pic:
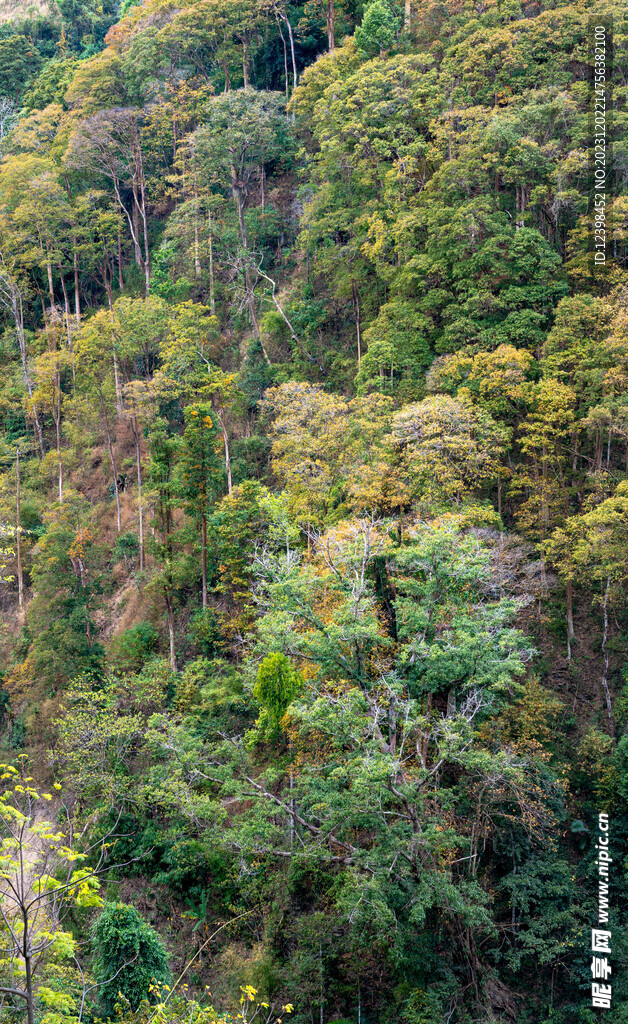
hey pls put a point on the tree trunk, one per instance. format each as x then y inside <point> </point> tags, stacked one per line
<point>120,279</point>
<point>18,317</point>
<point>116,378</point>
<point>135,230</point>
<point>112,460</point>
<point>245,65</point>
<point>197,262</point>
<point>145,229</point>
<point>18,533</point>
<point>570,630</point>
<point>66,306</point>
<point>51,290</point>
<point>77,300</point>
<point>248,284</point>
<point>605,687</point>
<point>292,53</point>
<point>225,437</point>
<point>285,57</point>
<point>138,463</point>
<point>170,614</point>
<point>212,301</point>
<point>330,23</point>
<point>30,1002</point>
<point>204,556</point>
<point>57,420</point>
<point>58,432</point>
<point>356,309</point>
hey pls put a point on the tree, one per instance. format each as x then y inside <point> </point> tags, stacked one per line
<point>67,578</point>
<point>110,143</point>
<point>20,61</point>
<point>447,446</point>
<point>592,548</point>
<point>97,375</point>
<point>41,879</point>
<point>310,456</point>
<point>244,131</point>
<point>545,441</point>
<point>130,958</point>
<point>165,449</point>
<point>200,472</point>
<point>379,28</point>
<point>48,397</point>
<point>276,686</point>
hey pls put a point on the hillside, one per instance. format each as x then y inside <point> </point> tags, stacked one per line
<point>313,493</point>
<point>17,10</point>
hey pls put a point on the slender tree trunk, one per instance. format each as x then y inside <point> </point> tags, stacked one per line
<point>66,306</point>
<point>18,532</point>
<point>605,687</point>
<point>51,290</point>
<point>57,421</point>
<point>225,437</point>
<point>322,987</point>
<point>248,283</point>
<point>58,432</point>
<point>295,76</point>
<point>197,262</point>
<point>204,556</point>
<point>18,317</point>
<point>330,23</point>
<point>145,229</point>
<point>212,301</point>
<point>285,58</point>
<point>116,378</point>
<point>356,310</point>
<point>111,460</point>
<point>120,279</point>
<point>570,630</point>
<point>245,65</point>
<point>135,231</point>
<point>170,614</point>
<point>138,464</point>
<point>107,280</point>
<point>30,1002</point>
<point>77,300</point>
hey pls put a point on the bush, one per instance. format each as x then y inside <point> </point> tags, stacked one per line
<point>130,957</point>
<point>276,686</point>
<point>131,650</point>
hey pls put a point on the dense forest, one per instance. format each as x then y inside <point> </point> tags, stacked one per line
<point>314,511</point>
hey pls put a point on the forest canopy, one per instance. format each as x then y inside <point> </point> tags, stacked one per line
<point>313,502</point>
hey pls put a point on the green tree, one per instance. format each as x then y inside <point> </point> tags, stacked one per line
<point>378,30</point>
<point>129,958</point>
<point>244,131</point>
<point>41,880</point>
<point>276,686</point>
<point>200,472</point>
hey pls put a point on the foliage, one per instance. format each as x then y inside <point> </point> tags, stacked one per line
<point>130,958</point>
<point>313,447</point>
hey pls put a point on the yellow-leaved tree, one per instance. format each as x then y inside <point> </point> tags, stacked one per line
<point>41,879</point>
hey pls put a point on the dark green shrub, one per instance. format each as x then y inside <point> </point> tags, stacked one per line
<point>131,650</point>
<point>129,957</point>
